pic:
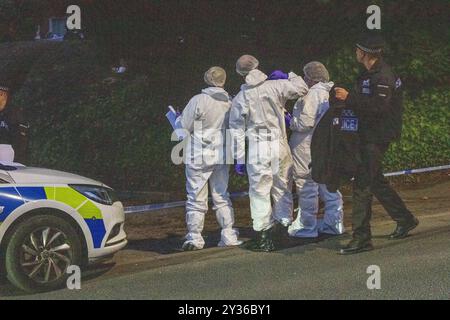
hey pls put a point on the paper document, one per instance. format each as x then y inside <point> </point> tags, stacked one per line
<point>176,125</point>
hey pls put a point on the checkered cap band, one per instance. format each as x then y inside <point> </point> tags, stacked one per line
<point>347,113</point>
<point>369,50</point>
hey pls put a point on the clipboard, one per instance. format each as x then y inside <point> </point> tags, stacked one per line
<point>171,115</point>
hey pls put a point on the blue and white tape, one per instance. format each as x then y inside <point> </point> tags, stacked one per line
<point>169,205</point>
<point>177,204</point>
<point>413,171</point>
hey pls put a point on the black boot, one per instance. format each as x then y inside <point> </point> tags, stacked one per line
<point>280,235</point>
<point>356,246</point>
<point>403,229</point>
<point>261,243</point>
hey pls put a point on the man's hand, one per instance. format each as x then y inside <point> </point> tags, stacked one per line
<point>341,94</point>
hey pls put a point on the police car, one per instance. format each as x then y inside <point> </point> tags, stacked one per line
<point>50,220</point>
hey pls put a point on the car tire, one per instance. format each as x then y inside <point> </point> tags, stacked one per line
<point>39,252</point>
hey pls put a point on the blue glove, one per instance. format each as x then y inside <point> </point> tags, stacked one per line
<point>240,170</point>
<point>278,75</point>
<point>287,119</point>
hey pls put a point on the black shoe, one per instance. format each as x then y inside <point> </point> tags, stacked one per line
<point>262,243</point>
<point>356,246</point>
<point>403,229</point>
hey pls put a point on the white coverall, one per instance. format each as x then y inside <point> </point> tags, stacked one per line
<point>208,114</point>
<point>306,114</point>
<point>6,154</point>
<point>259,108</point>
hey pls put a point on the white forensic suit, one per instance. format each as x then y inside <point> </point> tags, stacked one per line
<point>259,109</point>
<point>306,114</point>
<point>206,119</point>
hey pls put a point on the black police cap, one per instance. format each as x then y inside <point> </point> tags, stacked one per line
<point>372,43</point>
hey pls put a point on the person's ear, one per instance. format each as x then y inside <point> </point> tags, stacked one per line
<point>365,56</point>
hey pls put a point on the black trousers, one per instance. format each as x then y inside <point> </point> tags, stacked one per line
<point>369,181</point>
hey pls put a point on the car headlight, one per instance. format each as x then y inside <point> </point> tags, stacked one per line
<point>98,194</point>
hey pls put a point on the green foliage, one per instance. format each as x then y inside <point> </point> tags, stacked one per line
<point>426,133</point>
<point>342,67</point>
<point>119,137</point>
<point>423,59</point>
<point>115,130</point>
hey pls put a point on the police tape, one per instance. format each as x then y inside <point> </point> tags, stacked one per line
<point>178,204</point>
<point>170,205</point>
<point>412,171</point>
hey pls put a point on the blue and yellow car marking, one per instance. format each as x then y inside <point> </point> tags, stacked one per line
<point>12,198</point>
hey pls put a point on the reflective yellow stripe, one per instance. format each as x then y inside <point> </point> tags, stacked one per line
<point>69,196</point>
<point>50,193</point>
<point>90,211</point>
<point>74,199</point>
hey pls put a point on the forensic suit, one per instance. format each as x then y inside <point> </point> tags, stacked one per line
<point>259,109</point>
<point>206,119</point>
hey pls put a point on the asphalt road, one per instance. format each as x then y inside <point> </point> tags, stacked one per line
<point>417,267</point>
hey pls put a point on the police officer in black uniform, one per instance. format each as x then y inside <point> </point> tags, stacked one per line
<point>377,100</point>
<point>13,130</point>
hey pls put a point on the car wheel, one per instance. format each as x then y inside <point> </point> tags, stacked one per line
<point>39,253</point>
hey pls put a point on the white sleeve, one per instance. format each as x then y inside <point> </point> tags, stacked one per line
<point>189,115</point>
<point>304,119</point>
<point>293,88</point>
<point>238,118</point>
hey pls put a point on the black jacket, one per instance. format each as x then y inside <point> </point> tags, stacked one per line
<point>14,131</point>
<point>8,127</point>
<point>377,100</point>
<point>335,146</point>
